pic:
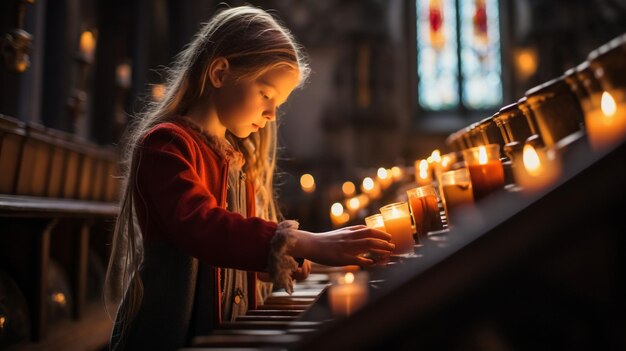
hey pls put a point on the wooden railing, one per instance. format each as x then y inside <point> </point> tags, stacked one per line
<point>57,204</point>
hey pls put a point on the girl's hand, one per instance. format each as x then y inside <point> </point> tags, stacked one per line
<point>302,272</point>
<point>343,246</point>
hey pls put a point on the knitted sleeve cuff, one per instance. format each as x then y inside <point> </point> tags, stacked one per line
<point>281,264</point>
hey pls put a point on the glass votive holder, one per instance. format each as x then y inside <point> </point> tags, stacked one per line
<point>348,292</point>
<point>375,222</point>
<point>425,209</point>
<point>456,187</point>
<point>485,168</point>
<point>397,219</point>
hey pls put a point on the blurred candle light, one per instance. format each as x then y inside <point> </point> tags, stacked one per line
<point>348,293</point>
<point>370,187</point>
<point>123,73</point>
<point>348,188</point>
<point>539,169</point>
<point>606,125</point>
<point>158,92</point>
<point>307,182</point>
<point>337,215</point>
<point>87,45</point>
<point>396,173</point>
<point>384,178</point>
<point>422,176</point>
<point>353,204</point>
<point>447,161</point>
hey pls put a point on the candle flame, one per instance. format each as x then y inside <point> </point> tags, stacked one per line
<point>336,209</point>
<point>307,182</point>
<point>436,155</point>
<point>349,278</point>
<point>382,173</point>
<point>531,160</point>
<point>354,203</point>
<point>608,104</point>
<point>348,188</point>
<point>368,184</point>
<point>482,155</point>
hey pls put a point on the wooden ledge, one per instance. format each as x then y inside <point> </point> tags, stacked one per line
<point>38,207</point>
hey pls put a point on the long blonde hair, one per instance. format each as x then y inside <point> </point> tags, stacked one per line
<point>253,42</point>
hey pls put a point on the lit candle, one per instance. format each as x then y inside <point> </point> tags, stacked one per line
<point>397,219</point>
<point>485,168</point>
<point>348,293</point>
<point>87,44</point>
<point>307,182</point>
<point>337,215</point>
<point>353,204</point>
<point>396,173</point>
<point>457,191</point>
<point>375,221</point>
<point>384,178</point>
<point>606,125</point>
<point>425,209</point>
<point>539,169</point>
<point>370,187</point>
<point>422,176</point>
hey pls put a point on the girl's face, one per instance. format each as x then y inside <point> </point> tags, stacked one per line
<point>246,106</point>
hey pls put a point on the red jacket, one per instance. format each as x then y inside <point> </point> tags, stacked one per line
<point>180,202</point>
<point>182,182</point>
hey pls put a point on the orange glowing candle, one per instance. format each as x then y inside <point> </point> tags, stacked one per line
<point>397,219</point>
<point>486,172</point>
<point>606,125</point>
<point>348,293</point>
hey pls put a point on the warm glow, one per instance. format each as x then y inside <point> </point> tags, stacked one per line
<point>368,184</point>
<point>608,104</point>
<point>436,156</point>
<point>348,188</point>
<point>59,298</point>
<point>123,72</point>
<point>423,174</point>
<point>87,43</point>
<point>482,155</point>
<point>307,182</point>
<point>445,161</point>
<point>354,203</point>
<point>349,278</point>
<point>396,172</point>
<point>382,173</point>
<point>423,166</point>
<point>336,209</point>
<point>531,160</point>
<point>2,320</point>
<point>526,62</point>
<point>363,200</point>
<point>158,92</point>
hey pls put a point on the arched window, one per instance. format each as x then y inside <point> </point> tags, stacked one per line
<point>458,55</point>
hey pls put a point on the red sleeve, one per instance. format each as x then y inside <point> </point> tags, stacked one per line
<point>173,191</point>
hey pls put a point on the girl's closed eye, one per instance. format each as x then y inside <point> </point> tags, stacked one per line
<point>264,95</point>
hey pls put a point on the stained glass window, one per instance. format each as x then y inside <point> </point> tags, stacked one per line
<point>453,35</point>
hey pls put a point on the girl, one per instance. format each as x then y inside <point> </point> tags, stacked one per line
<point>197,162</point>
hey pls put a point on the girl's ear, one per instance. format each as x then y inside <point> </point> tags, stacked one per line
<point>217,71</point>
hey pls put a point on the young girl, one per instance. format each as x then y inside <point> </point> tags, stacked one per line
<point>198,163</point>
